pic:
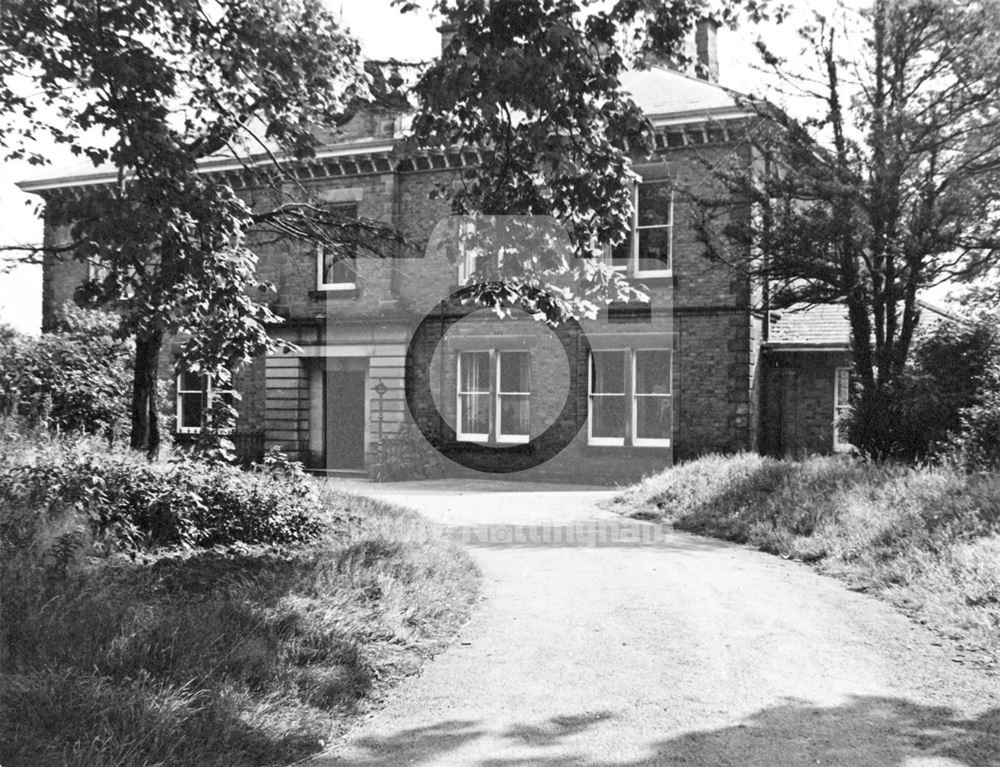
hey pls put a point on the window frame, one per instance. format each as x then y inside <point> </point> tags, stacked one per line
<point>333,287</point>
<point>630,438</point>
<point>207,392</point>
<point>321,253</point>
<point>605,441</point>
<point>468,256</point>
<point>632,268</point>
<point>460,435</point>
<point>838,407</point>
<point>500,437</point>
<point>638,441</point>
<point>494,433</point>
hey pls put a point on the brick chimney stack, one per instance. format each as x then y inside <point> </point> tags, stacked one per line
<point>706,42</point>
<point>447,31</point>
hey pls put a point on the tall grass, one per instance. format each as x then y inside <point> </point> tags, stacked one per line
<point>244,654</point>
<point>926,537</point>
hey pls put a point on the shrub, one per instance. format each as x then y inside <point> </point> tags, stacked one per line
<point>76,378</point>
<point>917,416</point>
<point>130,504</point>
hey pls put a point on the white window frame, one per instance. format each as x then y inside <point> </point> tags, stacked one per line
<point>839,407</point>
<point>494,434</point>
<point>633,266</point>
<point>467,257</point>
<point>631,400</point>
<point>650,441</point>
<point>460,435</point>
<point>500,436</point>
<point>332,286</point>
<point>208,392</point>
<point>604,441</point>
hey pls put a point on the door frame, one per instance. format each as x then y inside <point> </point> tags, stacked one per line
<point>318,423</point>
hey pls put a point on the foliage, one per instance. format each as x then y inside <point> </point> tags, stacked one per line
<point>228,657</point>
<point>146,91</point>
<point>536,84</point>
<point>924,537</point>
<point>978,437</point>
<point>133,506</point>
<point>75,378</point>
<point>885,189</point>
<point>926,408</point>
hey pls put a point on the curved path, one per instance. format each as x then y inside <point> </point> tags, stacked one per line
<point>603,641</point>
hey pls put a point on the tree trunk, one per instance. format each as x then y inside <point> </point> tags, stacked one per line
<point>145,419</point>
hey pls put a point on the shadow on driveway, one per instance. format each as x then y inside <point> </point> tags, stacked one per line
<point>865,732</point>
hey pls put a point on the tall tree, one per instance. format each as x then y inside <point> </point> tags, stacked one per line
<point>890,186</point>
<point>148,89</point>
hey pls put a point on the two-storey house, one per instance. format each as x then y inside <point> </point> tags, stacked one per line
<point>605,400</point>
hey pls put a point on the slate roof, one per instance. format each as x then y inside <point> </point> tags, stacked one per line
<point>663,95</point>
<point>662,92</point>
<point>825,326</point>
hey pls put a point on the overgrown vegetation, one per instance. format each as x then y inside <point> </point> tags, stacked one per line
<point>187,614</point>
<point>75,378</point>
<point>927,538</point>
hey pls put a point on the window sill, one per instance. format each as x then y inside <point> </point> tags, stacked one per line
<point>324,293</point>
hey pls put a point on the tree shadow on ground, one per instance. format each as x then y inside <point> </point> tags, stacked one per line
<point>864,732</point>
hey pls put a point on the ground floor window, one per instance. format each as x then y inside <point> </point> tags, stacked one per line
<point>494,396</point>
<point>195,395</point>
<point>841,408</point>
<point>630,398</point>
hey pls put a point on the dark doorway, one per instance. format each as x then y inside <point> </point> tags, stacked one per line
<point>345,419</point>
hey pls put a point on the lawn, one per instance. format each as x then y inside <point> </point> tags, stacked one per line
<point>925,538</point>
<point>224,648</point>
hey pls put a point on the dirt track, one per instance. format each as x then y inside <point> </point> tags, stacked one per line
<point>607,642</point>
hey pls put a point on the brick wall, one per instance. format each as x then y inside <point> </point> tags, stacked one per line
<point>798,405</point>
<point>703,308</point>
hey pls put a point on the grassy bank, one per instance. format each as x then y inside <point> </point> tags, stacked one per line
<point>926,538</point>
<point>223,653</point>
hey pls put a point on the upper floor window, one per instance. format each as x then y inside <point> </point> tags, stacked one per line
<point>195,395</point>
<point>468,254</point>
<point>494,396</point>
<point>648,251</point>
<point>630,398</point>
<point>336,268</point>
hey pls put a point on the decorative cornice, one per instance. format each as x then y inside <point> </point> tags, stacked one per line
<point>370,157</point>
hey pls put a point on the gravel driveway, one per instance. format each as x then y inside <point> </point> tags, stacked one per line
<point>603,641</point>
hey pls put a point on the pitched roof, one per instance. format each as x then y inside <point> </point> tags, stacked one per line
<point>801,325</point>
<point>825,326</point>
<point>663,92</point>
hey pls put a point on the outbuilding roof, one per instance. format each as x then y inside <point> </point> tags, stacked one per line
<point>806,327</point>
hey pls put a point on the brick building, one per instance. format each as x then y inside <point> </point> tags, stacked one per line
<point>613,399</point>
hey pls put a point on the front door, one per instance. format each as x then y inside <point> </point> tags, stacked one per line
<point>345,418</point>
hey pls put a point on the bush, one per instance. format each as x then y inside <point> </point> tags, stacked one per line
<point>977,441</point>
<point>76,378</point>
<point>230,656</point>
<point>130,504</point>
<point>920,413</point>
<point>216,658</point>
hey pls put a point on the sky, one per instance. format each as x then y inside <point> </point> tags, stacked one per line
<point>384,33</point>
